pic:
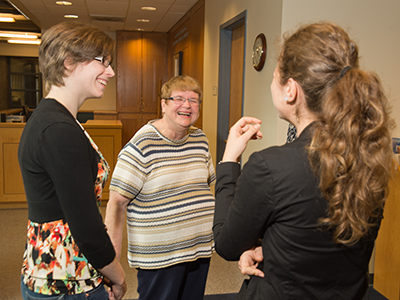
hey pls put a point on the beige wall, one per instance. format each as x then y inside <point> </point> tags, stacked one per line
<point>375,25</point>
<point>262,16</point>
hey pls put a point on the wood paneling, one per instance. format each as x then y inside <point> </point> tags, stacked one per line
<point>142,60</point>
<point>187,36</point>
<point>387,251</point>
<point>11,184</point>
<point>131,122</point>
<point>129,71</point>
<point>154,69</point>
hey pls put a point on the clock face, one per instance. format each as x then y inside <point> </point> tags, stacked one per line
<point>259,52</point>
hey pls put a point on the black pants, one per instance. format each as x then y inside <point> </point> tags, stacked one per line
<point>185,281</point>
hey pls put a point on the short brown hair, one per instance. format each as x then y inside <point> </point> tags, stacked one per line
<point>74,40</point>
<point>181,83</point>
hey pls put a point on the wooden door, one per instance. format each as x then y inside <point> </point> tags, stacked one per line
<point>231,77</point>
<point>236,80</point>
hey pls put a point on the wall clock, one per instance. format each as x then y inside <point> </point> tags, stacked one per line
<point>259,52</point>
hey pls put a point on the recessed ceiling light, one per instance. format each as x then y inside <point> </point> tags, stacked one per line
<point>7,19</point>
<point>143,20</point>
<point>71,16</point>
<point>15,35</point>
<point>139,29</point>
<point>148,8</point>
<point>63,3</point>
<point>35,42</point>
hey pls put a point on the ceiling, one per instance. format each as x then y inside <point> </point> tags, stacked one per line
<point>108,15</point>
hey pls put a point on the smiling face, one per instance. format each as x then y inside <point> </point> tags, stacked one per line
<point>90,79</point>
<point>180,116</point>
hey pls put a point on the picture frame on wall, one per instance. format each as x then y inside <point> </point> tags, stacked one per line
<point>178,63</point>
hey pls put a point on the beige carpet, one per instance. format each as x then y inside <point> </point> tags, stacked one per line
<point>224,277</point>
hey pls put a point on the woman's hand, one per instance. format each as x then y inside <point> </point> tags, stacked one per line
<point>249,261</point>
<point>116,292</point>
<point>241,132</point>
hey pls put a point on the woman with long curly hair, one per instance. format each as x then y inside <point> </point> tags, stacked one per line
<point>315,204</point>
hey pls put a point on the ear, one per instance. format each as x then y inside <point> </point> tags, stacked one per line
<point>69,64</point>
<point>291,89</point>
<point>163,105</point>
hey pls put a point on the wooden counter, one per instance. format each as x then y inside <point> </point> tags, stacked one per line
<point>107,134</point>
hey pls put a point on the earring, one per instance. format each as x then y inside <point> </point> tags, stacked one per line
<point>286,99</point>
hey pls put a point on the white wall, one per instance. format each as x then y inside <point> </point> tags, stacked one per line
<point>374,25</point>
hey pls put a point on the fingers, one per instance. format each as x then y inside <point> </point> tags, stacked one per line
<point>110,294</point>
<point>249,260</point>
<point>251,132</point>
<point>241,132</point>
<point>258,255</point>
<point>248,125</point>
<point>251,271</point>
<point>247,120</point>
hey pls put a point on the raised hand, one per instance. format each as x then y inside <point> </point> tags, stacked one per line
<point>241,132</point>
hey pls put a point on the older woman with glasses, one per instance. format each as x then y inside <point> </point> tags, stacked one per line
<point>162,179</point>
<point>68,251</point>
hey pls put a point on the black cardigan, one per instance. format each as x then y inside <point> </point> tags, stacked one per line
<point>59,168</point>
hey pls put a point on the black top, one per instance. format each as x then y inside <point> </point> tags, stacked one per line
<point>276,198</point>
<point>59,168</point>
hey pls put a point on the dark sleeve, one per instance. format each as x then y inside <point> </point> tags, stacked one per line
<point>243,206</point>
<point>71,163</point>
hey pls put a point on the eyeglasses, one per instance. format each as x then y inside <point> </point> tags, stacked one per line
<point>180,100</point>
<point>104,60</point>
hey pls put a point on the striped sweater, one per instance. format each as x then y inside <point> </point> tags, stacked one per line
<point>171,213</point>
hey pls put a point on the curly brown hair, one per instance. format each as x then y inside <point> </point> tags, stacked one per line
<point>350,149</point>
<point>73,40</point>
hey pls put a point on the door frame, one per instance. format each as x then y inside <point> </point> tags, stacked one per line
<point>224,77</point>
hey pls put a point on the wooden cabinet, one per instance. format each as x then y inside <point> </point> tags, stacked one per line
<point>11,184</point>
<point>106,134</point>
<point>141,71</point>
